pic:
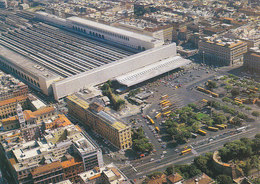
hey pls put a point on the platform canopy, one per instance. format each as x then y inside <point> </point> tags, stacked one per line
<point>153,70</point>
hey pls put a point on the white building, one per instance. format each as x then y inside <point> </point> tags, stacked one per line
<point>107,174</point>
<point>102,31</point>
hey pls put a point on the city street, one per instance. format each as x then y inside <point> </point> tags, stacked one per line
<point>146,166</point>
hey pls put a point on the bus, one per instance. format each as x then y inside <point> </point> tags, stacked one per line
<point>194,135</point>
<point>212,128</point>
<point>161,102</point>
<point>200,89</point>
<point>237,99</point>
<point>238,102</point>
<point>252,91</point>
<point>158,115</point>
<point>165,103</point>
<point>167,113</point>
<point>204,100</point>
<point>150,119</point>
<point>157,129</point>
<point>165,108</point>
<point>186,151</point>
<point>208,91</point>
<point>222,126</point>
<point>201,132</point>
<point>164,97</point>
<point>214,94</point>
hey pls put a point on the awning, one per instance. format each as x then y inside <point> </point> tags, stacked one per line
<point>150,71</point>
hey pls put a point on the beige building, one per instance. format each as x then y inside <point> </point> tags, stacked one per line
<point>8,106</point>
<point>222,50</point>
<point>66,148</point>
<point>160,32</point>
<point>252,60</point>
<point>100,121</point>
<point>108,174</point>
<point>11,87</point>
<point>30,117</point>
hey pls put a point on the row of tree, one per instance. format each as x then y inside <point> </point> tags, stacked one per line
<point>140,142</point>
<point>107,90</point>
<point>244,152</point>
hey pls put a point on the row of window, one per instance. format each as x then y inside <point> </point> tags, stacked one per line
<point>21,75</point>
<point>101,31</point>
<point>94,33</point>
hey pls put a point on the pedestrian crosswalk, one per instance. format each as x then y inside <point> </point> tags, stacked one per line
<point>194,151</point>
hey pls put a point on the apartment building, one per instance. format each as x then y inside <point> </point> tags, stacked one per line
<point>108,174</point>
<point>252,60</point>
<point>11,87</point>
<point>100,121</point>
<point>31,118</point>
<point>8,106</point>
<point>72,167</point>
<point>223,51</point>
<point>49,173</point>
<point>59,153</point>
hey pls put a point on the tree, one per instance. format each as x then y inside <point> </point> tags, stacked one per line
<point>140,142</point>
<point>256,113</point>
<point>194,171</point>
<point>220,119</point>
<point>228,87</point>
<point>248,108</point>
<point>187,171</point>
<point>235,92</point>
<point>201,162</point>
<point>242,115</point>
<point>236,121</point>
<point>211,84</point>
<point>193,106</point>
<point>169,170</point>
<point>184,118</point>
<point>256,144</point>
<point>155,174</point>
<point>119,103</point>
<point>172,131</point>
<point>142,145</point>
<point>224,179</point>
<point>257,136</point>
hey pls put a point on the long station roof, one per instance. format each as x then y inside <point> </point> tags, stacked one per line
<point>153,70</point>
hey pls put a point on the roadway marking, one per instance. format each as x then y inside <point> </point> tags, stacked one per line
<point>179,158</point>
<point>133,167</point>
<point>194,152</point>
<point>228,137</point>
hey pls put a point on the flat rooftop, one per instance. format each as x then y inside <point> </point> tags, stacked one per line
<point>112,29</point>
<point>153,70</point>
<point>25,64</point>
<point>65,54</point>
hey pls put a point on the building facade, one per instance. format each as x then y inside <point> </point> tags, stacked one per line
<point>252,60</point>
<point>11,87</point>
<point>8,106</point>
<point>49,173</point>
<point>100,122</point>
<point>31,118</point>
<point>103,32</point>
<point>108,174</point>
<point>71,168</point>
<point>223,51</point>
<point>61,153</point>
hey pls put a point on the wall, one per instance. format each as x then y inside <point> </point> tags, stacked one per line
<point>99,75</point>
